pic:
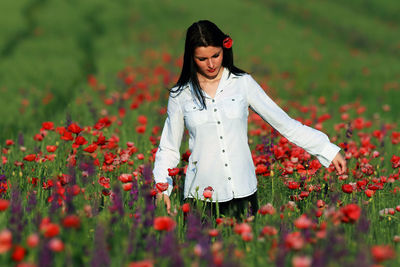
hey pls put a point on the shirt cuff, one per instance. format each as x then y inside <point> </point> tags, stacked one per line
<point>328,154</point>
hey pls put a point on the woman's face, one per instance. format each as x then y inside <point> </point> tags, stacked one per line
<point>208,60</point>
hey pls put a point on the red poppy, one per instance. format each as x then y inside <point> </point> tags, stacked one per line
<point>67,136</point>
<point>267,209</point>
<point>382,252</point>
<point>303,222</point>
<point>48,125</point>
<point>261,169</point>
<point>18,253</point>
<point>74,128</point>
<point>347,188</point>
<point>4,204</point>
<point>51,230</point>
<point>125,177</point>
<point>173,172</point>
<point>143,263</point>
<point>208,191</point>
<point>71,221</point>
<point>350,213</point>
<point>79,140</point>
<point>9,142</point>
<point>269,230</point>
<point>293,185</point>
<point>369,192</point>
<point>294,241</point>
<point>30,157</point>
<point>142,119</point>
<point>32,240</point>
<point>56,245</point>
<point>90,148</point>
<point>161,187</point>
<point>5,240</point>
<point>186,207</point>
<point>227,43</point>
<point>213,232</point>
<point>141,129</point>
<point>242,228</point>
<point>51,149</point>
<point>164,223</point>
<point>127,186</point>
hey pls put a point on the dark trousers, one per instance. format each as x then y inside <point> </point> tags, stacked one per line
<point>238,208</point>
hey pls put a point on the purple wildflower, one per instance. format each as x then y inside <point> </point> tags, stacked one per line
<point>100,256</point>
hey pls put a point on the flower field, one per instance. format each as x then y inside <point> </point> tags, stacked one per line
<point>83,95</point>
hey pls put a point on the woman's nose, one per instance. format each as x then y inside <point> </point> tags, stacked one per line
<point>210,63</point>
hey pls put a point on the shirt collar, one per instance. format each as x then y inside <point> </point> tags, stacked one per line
<point>226,78</point>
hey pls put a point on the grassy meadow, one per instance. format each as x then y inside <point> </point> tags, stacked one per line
<point>83,95</point>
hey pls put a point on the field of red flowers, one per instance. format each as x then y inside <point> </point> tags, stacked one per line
<point>76,189</point>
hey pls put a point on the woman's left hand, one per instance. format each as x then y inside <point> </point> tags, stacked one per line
<point>340,164</point>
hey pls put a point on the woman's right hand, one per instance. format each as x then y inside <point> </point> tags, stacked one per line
<point>160,197</point>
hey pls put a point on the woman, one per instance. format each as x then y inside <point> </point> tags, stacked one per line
<point>211,98</point>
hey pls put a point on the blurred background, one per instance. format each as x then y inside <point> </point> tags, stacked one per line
<point>345,51</point>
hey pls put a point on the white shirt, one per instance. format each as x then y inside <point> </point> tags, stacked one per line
<point>220,154</point>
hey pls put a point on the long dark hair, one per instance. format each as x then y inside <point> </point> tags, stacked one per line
<point>202,33</point>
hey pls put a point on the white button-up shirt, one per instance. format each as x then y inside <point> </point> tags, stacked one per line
<point>220,154</point>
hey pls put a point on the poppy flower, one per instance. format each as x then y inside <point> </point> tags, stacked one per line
<point>9,142</point>
<point>301,261</point>
<point>294,241</point>
<point>79,140</point>
<point>213,232</point>
<point>293,185</point>
<point>141,129</point>
<point>51,230</point>
<point>18,253</point>
<point>142,119</point>
<point>164,223</point>
<point>51,149</point>
<point>267,209</point>
<point>161,187</point>
<point>30,157</point>
<point>173,171</point>
<point>48,125</point>
<point>5,241</point>
<point>71,221</point>
<point>56,245</point>
<point>303,222</point>
<point>186,207</point>
<point>227,42</point>
<point>208,191</point>
<point>74,128</point>
<point>369,192</point>
<point>4,204</point>
<point>350,213</point>
<point>125,177</point>
<point>90,148</point>
<point>143,263</point>
<point>347,188</point>
<point>382,252</point>
<point>127,186</point>
<point>269,230</point>
<point>32,240</point>
<point>242,228</point>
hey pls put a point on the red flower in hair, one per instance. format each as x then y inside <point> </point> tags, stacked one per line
<point>228,42</point>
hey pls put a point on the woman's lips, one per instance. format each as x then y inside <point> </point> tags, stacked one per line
<point>212,70</point>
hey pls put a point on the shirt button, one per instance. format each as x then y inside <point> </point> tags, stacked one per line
<point>213,100</point>
<point>215,110</point>
<point>229,178</point>
<point>220,137</point>
<point>223,150</point>
<point>226,165</point>
<point>218,122</point>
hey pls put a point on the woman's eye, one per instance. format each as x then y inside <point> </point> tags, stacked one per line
<point>202,59</point>
<point>215,56</point>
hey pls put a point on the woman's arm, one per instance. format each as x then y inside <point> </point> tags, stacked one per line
<point>311,140</point>
<point>168,155</point>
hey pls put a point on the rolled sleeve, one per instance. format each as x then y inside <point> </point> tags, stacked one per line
<point>313,141</point>
<point>168,155</point>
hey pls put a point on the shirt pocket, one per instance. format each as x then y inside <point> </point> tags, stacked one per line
<point>235,106</point>
<point>194,115</point>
